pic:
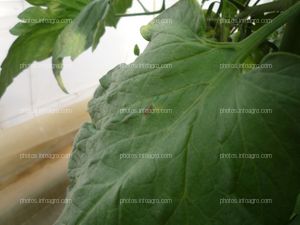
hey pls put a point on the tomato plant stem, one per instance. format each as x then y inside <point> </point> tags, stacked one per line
<point>290,40</point>
<point>268,7</point>
<point>261,34</point>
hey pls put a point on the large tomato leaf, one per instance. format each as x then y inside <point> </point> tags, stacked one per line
<point>196,178</point>
<point>59,28</point>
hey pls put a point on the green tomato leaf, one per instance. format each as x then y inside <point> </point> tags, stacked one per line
<point>37,33</point>
<point>86,30</point>
<point>37,36</point>
<point>33,46</point>
<point>176,108</point>
<point>57,28</point>
<point>38,2</point>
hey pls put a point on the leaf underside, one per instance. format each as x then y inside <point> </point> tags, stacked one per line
<point>195,133</point>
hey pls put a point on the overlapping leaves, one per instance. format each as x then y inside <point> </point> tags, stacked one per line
<point>195,132</point>
<point>57,28</point>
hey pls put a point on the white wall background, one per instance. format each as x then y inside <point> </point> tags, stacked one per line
<point>35,90</point>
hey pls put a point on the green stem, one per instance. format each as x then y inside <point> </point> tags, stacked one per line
<point>291,38</point>
<point>145,13</point>
<point>255,39</point>
<point>210,9</point>
<point>220,8</point>
<point>256,2</point>
<point>268,7</point>
<point>144,8</point>
<point>237,5</point>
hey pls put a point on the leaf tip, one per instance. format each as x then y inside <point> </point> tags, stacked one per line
<point>56,68</point>
<point>60,83</point>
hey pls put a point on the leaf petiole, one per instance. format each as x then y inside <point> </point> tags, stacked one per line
<point>163,7</point>
<point>255,39</point>
<point>268,7</point>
